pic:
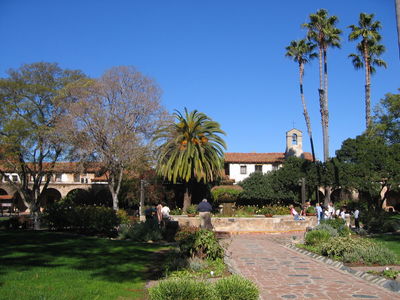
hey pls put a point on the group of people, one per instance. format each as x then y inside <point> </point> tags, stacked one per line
<point>160,212</point>
<point>329,212</point>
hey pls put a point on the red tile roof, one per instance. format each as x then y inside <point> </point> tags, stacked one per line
<point>259,157</point>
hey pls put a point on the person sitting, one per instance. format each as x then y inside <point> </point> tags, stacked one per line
<point>295,214</point>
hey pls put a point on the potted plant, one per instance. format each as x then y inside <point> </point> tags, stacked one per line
<point>267,211</point>
<point>227,196</point>
<point>191,210</point>
<point>310,211</point>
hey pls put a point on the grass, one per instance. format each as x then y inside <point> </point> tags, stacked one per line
<point>390,241</point>
<point>45,265</point>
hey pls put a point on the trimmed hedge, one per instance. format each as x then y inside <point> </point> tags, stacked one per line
<point>229,288</point>
<point>64,216</point>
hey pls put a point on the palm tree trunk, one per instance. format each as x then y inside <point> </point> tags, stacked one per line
<point>325,110</point>
<point>187,198</point>
<point>321,93</point>
<point>367,89</point>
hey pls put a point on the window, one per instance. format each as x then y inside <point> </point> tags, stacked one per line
<point>258,168</point>
<point>76,177</point>
<point>243,169</point>
<point>294,139</point>
<point>227,169</point>
<point>58,177</point>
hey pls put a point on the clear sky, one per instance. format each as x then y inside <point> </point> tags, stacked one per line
<point>222,57</point>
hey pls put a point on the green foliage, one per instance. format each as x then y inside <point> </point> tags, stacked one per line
<point>192,209</point>
<point>176,211</point>
<point>338,224</point>
<point>381,222</point>
<point>192,149</point>
<point>123,216</point>
<point>274,210</point>
<point>226,193</point>
<point>200,243</point>
<point>279,186</point>
<point>316,237</point>
<point>236,287</point>
<point>181,289</point>
<point>325,226</point>
<point>360,250</point>
<point>311,210</point>
<point>64,216</point>
<point>387,118</point>
<point>141,232</point>
<point>229,288</point>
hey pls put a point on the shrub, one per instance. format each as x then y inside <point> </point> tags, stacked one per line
<point>236,288</point>
<point>338,224</point>
<point>360,250</point>
<point>123,216</point>
<point>84,219</point>
<point>181,289</point>
<point>141,232</point>
<point>325,226</point>
<point>316,237</point>
<point>391,225</point>
<point>176,211</point>
<point>226,193</point>
<point>199,242</point>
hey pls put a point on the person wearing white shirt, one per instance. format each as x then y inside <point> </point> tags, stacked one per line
<point>356,218</point>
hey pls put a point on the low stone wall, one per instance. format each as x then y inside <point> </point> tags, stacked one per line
<point>257,224</point>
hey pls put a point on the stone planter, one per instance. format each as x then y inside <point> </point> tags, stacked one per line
<point>311,214</point>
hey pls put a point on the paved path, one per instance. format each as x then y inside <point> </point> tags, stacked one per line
<point>282,273</point>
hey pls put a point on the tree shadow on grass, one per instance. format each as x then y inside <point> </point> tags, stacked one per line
<point>111,260</point>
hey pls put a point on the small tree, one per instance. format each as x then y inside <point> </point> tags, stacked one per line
<point>112,121</point>
<point>29,128</point>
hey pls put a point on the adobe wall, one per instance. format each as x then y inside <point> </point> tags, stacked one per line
<point>261,224</point>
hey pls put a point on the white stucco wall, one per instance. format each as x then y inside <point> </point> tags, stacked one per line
<point>234,170</point>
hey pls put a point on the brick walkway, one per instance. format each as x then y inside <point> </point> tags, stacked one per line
<point>282,273</point>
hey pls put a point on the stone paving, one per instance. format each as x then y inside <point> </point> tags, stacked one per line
<point>282,273</point>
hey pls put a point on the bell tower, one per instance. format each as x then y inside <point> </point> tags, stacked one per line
<point>294,143</point>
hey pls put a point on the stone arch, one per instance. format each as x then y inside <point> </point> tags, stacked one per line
<point>340,195</point>
<point>79,196</point>
<point>393,199</point>
<point>3,192</point>
<point>50,196</point>
<point>103,198</point>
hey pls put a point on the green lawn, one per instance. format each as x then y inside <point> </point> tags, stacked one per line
<point>391,241</point>
<point>45,265</point>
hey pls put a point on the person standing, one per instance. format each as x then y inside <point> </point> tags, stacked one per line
<point>356,218</point>
<point>331,211</point>
<point>204,208</point>
<point>159,213</point>
<point>318,209</point>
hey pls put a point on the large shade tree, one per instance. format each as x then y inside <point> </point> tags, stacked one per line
<point>30,144</point>
<point>322,30</point>
<point>112,121</point>
<point>191,151</point>
<point>368,54</point>
<point>302,52</point>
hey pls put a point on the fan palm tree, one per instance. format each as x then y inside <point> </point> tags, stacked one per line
<point>302,52</point>
<point>321,30</point>
<point>192,151</point>
<point>369,50</point>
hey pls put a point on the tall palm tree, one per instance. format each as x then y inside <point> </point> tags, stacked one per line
<point>192,150</point>
<point>369,50</point>
<point>302,52</point>
<point>321,30</point>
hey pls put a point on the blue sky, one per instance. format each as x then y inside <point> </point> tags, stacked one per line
<point>224,58</point>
